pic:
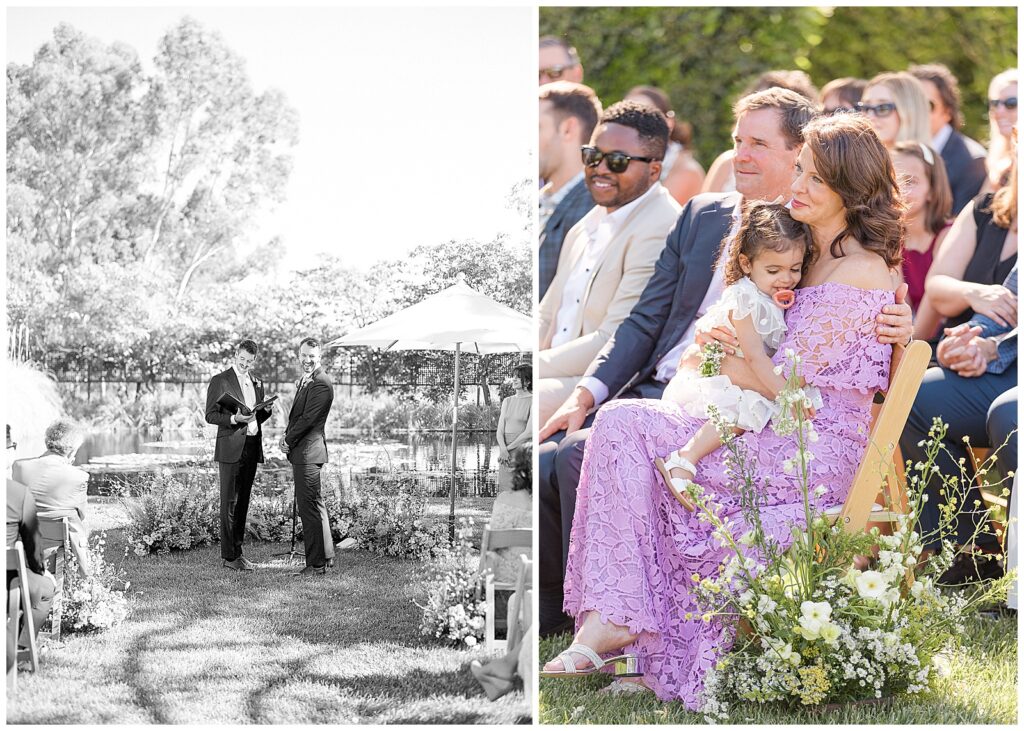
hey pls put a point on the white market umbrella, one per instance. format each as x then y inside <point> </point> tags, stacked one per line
<point>448,320</point>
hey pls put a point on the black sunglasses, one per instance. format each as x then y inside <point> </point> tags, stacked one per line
<point>877,110</point>
<point>617,161</point>
<point>1009,102</point>
<point>555,72</point>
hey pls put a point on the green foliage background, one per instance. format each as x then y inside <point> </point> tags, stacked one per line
<point>704,56</point>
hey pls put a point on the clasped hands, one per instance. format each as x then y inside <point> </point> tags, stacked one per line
<point>964,352</point>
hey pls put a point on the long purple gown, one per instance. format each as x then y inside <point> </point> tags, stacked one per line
<point>633,548</point>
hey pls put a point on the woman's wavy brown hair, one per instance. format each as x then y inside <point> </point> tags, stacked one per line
<point>766,226</point>
<point>854,163</point>
<point>1004,202</point>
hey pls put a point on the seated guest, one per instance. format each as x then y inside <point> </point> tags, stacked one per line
<point>926,192</point>
<point>681,174</point>
<point>610,254</point>
<point>59,488</point>
<point>1002,116</point>
<point>974,391</point>
<point>974,259</point>
<point>568,115</point>
<point>721,177</point>
<point>22,525</point>
<point>842,95</point>
<point>964,158</point>
<point>896,106</point>
<point>511,510</point>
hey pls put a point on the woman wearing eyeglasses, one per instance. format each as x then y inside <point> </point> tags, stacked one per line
<point>1002,115</point>
<point>841,95</point>
<point>897,107</point>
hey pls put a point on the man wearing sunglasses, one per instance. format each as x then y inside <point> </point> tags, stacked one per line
<point>559,61</point>
<point>568,115</point>
<point>609,256</point>
<point>964,158</point>
<point>643,353</point>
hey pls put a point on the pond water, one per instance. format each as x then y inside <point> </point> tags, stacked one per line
<point>423,451</point>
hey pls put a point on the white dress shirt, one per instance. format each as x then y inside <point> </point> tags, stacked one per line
<point>941,138</point>
<point>599,228</point>
<point>668,365</point>
<point>248,396</point>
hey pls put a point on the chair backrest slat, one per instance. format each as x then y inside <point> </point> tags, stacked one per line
<point>877,464</point>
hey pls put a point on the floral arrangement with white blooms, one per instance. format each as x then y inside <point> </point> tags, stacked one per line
<point>454,611</point>
<point>837,616</point>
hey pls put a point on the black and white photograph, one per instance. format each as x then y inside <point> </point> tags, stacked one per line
<point>269,376</point>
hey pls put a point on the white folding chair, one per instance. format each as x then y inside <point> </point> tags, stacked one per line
<point>494,540</point>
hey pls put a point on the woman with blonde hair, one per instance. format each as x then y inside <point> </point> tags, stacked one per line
<point>897,107</point>
<point>1002,115</point>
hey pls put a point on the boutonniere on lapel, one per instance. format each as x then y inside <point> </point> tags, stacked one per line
<point>257,382</point>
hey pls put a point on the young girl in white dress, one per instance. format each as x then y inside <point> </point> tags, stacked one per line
<point>764,263</point>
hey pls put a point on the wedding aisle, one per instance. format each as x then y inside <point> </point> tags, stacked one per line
<point>980,689</point>
<point>207,645</point>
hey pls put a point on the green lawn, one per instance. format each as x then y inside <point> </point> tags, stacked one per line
<point>981,688</point>
<point>207,645</point>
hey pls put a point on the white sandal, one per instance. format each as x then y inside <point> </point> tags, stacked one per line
<point>626,666</point>
<point>624,687</point>
<point>677,485</point>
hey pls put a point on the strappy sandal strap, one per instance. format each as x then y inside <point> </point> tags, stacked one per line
<point>570,665</point>
<point>674,460</point>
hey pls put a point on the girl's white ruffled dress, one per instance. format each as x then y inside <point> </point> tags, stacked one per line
<point>748,410</point>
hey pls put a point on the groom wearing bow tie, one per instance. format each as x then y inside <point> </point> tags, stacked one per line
<point>239,448</point>
<point>306,446</point>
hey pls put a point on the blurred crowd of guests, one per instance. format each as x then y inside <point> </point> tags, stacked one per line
<point>607,206</point>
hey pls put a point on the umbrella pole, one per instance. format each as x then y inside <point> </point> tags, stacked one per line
<point>455,436</point>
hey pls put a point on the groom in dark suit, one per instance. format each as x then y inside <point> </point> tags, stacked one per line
<point>306,446</point>
<point>239,448</point>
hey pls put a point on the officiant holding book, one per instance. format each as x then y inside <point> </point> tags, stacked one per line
<point>235,403</point>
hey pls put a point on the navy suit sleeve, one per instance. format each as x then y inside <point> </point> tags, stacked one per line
<point>28,529</point>
<point>634,340</point>
<point>318,403</point>
<point>215,413</point>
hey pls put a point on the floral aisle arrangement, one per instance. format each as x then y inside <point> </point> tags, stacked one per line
<point>394,522</point>
<point>173,509</point>
<point>454,611</point>
<point>834,616</point>
<point>96,602</point>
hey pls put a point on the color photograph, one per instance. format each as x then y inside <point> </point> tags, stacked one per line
<point>777,365</point>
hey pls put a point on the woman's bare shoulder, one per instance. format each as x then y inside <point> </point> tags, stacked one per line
<point>863,269</point>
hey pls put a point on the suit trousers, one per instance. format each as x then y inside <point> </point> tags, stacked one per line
<point>972,407</point>
<point>558,463</point>
<point>235,489</point>
<point>309,503</point>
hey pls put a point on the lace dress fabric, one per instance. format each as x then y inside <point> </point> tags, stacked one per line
<point>748,410</point>
<point>633,547</point>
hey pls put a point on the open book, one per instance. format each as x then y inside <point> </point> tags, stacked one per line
<point>234,406</point>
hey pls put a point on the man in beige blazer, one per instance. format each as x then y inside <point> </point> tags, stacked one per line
<point>610,254</point>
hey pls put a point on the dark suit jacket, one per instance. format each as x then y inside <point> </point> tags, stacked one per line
<point>566,215</point>
<point>22,523</point>
<point>670,301</point>
<point>231,437</point>
<point>304,436</point>
<point>965,167</point>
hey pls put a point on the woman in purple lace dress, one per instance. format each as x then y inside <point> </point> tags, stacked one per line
<point>634,548</point>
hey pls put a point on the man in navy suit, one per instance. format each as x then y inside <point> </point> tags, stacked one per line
<point>239,448</point>
<point>568,115</point>
<point>306,446</point>
<point>964,158</point>
<point>644,351</point>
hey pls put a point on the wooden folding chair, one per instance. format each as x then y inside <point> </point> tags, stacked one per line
<point>522,614</point>
<point>19,608</point>
<point>878,472</point>
<point>494,540</point>
<point>57,529</point>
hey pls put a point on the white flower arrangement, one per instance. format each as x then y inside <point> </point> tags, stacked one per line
<point>809,628</point>
<point>454,611</point>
